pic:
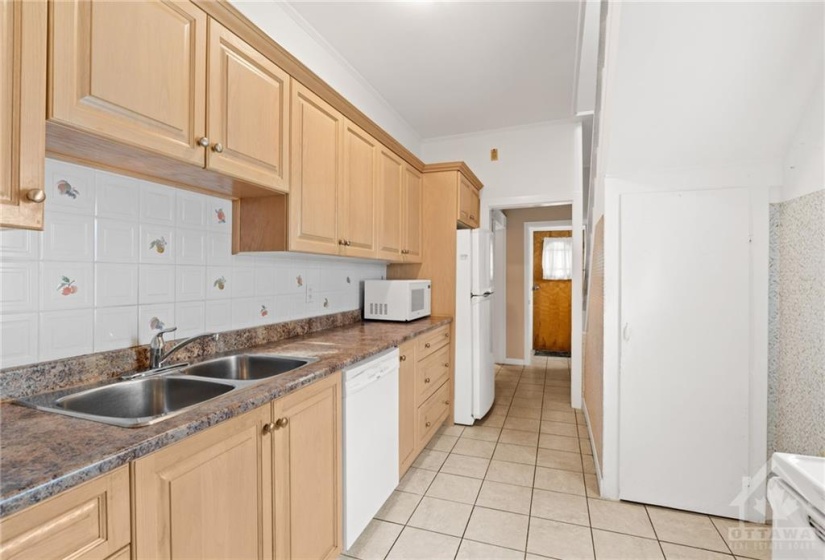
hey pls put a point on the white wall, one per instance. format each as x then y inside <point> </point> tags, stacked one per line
<point>536,162</point>
<point>289,30</point>
<point>804,165</point>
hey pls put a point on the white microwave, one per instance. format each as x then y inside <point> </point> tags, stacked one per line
<point>396,300</point>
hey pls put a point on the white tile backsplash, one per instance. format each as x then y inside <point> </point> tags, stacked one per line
<point>116,240</point>
<point>66,333</point>
<point>93,281</point>
<point>115,327</point>
<point>116,285</point>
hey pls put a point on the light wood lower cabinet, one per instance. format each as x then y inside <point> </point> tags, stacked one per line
<point>263,485</point>
<point>209,495</point>
<point>424,392</point>
<point>23,36</point>
<point>307,472</point>
<point>90,522</point>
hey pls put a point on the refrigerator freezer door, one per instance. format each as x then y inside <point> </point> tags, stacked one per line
<point>483,369</point>
<point>482,261</point>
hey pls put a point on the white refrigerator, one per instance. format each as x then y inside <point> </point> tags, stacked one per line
<point>474,371</point>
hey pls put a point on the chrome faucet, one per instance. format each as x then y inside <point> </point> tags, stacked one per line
<point>156,355</point>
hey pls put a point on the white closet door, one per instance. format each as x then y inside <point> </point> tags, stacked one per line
<point>685,328</point>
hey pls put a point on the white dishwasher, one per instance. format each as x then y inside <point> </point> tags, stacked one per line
<point>370,439</point>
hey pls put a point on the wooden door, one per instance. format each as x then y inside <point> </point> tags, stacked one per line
<point>406,406</point>
<point>552,307</point>
<point>686,327</point>
<point>317,153</point>
<point>391,202</point>
<point>248,124</point>
<point>23,36</point>
<point>89,522</point>
<point>413,215</point>
<point>357,197</point>
<point>131,71</point>
<point>307,472</point>
<point>208,496</point>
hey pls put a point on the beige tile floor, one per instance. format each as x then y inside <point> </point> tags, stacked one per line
<point>521,484</point>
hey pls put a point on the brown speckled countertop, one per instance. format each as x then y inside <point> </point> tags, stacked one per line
<point>42,454</point>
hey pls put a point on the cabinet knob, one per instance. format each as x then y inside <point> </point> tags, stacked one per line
<point>472,217</point>
<point>403,358</point>
<point>447,402</point>
<point>446,335</point>
<point>427,345</point>
<point>348,243</point>
<point>426,380</point>
<point>428,424</point>
<point>447,365</point>
<point>203,142</point>
<point>281,422</point>
<point>341,242</point>
<point>36,195</point>
<point>269,428</point>
<point>217,148</point>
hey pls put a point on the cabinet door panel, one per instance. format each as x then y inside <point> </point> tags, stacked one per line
<point>391,197</point>
<point>89,522</point>
<point>132,71</point>
<point>406,406</point>
<point>413,215</point>
<point>357,198</point>
<point>22,120</point>
<point>248,112</point>
<point>207,496</point>
<point>307,472</point>
<point>317,131</point>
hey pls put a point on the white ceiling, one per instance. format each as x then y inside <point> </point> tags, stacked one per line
<point>457,67</point>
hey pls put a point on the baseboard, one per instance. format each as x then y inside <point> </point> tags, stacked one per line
<point>512,362</point>
<point>592,446</point>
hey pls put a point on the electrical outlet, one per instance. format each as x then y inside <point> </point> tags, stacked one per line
<point>494,154</point>
<point>309,294</point>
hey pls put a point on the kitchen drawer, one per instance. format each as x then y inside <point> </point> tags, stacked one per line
<point>428,343</point>
<point>431,372</point>
<point>432,414</point>
<point>90,521</point>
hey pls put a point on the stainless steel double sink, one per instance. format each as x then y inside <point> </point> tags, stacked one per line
<point>157,396</point>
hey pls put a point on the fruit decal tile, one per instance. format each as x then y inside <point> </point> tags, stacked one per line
<point>264,311</point>
<point>299,280</point>
<point>67,286</point>
<point>220,215</point>
<point>220,283</point>
<point>156,324</point>
<point>66,189</point>
<point>159,245</point>
<point>326,302</point>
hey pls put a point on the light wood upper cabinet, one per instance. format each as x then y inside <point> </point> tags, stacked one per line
<point>357,210</point>
<point>391,201</point>
<point>248,100</point>
<point>88,522</point>
<point>413,215</point>
<point>469,203</point>
<point>317,146</point>
<point>131,71</point>
<point>23,36</point>
<point>209,495</point>
<point>307,472</point>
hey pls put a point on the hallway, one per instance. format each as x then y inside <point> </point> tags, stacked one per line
<point>522,484</point>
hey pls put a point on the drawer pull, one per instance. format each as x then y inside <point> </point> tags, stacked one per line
<point>428,424</point>
<point>403,358</point>
<point>426,380</point>
<point>427,345</point>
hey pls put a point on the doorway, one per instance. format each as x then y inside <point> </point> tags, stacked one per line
<point>552,274</point>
